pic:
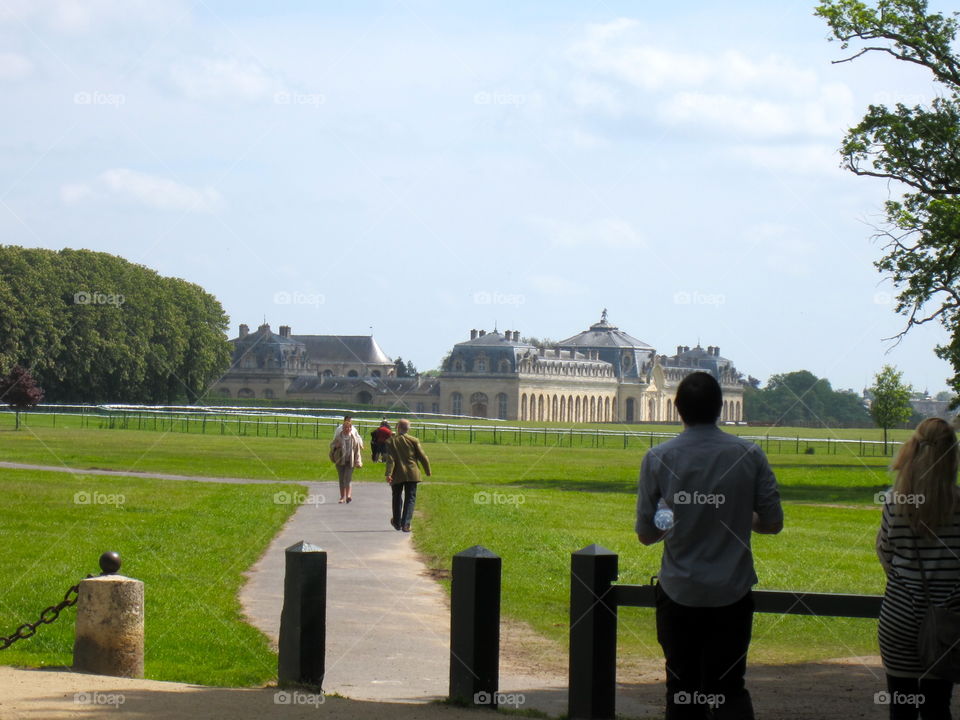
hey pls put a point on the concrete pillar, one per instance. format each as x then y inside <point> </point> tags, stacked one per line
<point>109,635</point>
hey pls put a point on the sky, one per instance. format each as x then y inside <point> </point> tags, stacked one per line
<point>418,169</point>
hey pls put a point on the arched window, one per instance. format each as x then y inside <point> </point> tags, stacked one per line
<point>606,410</point>
<point>458,365</point>
<point>456,403</point>
<point>563,409</point>
<point>268,394</point>
<point>540,408</point>
<point>502,406</point>
<point>364,398</point>
<point>353,373</point>
<point>523,406</point>
<point>375,373</point>
<point>593,409</point>
<point>478,404</point>
<point>328,373</point>
<point>631,410</point>
<point>576,415</point>
<point>480,364</point>
<point>504,366</point>
<point>554,409</point>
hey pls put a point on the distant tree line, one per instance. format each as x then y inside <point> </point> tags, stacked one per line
<point>93,327</point>
<point>801,399</point>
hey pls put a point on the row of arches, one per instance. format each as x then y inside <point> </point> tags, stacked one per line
<point>479,405</point>
<point>567,408</point>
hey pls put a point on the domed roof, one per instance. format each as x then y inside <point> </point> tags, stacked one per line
<point>603,334</point>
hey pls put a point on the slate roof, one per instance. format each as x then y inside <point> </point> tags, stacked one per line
<point>343,348</point>
<point>603,334</point>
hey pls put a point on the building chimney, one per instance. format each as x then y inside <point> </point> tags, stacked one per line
<point>686,348</point>
<point>716,350</point>
<point>244,330</point>
<point>285,331</point>
<point>473,334</point>
<point>482,333</point>
<point>679,349</point>
<point>516,336</point>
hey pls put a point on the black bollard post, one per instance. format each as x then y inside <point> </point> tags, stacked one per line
<point>475,627</point>
<point>303,620</point>
<point>593,635</point>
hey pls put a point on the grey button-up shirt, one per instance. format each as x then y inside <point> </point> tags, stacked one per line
<point>713,482</point>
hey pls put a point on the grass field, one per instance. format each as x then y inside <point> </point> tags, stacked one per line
<point>189,543</point>
<point>533,505</point>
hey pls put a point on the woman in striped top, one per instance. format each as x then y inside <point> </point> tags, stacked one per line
<point>921,517</point>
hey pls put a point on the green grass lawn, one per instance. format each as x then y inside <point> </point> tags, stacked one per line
<point>189,543</point>
<point>552,501</point>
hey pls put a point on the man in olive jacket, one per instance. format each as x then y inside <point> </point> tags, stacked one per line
<point>403,454</point>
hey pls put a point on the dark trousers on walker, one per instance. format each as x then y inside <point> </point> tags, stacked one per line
<point>404,498</point>
<point>706,653</point>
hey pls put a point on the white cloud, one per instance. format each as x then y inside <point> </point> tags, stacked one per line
<point>622,71</point>
<point>14,66</point>
<point>76,17</point>
<point>223,79</point>
<point>805,159</point>
<point>604,233</point>
<point>141,188</point>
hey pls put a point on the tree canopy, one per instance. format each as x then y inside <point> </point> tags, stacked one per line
<point>890,404</point>
<point>94,327</point>
<point>802,399</point>
<point>918,147</point>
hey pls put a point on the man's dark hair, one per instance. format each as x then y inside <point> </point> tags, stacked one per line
<point>699,399</point>
<point>347,417</point>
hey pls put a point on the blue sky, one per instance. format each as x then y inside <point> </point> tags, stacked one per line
<point>426,168</point>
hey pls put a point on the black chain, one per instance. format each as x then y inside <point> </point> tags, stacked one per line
<point>47,616</point>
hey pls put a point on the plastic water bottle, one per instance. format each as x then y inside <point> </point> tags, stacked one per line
<point>663,518</point>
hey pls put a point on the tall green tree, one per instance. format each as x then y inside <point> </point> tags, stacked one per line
<point>802,399</point>
<point>918,147</point>
<point>96,328</point>
<point>20,391</point>
<point>891,400</point>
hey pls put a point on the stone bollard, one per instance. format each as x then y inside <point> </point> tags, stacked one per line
<point>109,636</point>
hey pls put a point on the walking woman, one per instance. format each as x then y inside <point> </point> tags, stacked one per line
<point>345,452</point>
<point>919,535</point>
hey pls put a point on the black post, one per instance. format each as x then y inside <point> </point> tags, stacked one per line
<point>593,635</point>
<point>475,626</point>
<point>303,620</point>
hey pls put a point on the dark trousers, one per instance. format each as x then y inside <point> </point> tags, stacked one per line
<point>910,698</point>
<point>404,498</point>
<point>706,653</point>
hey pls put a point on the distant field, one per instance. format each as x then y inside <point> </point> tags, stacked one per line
<point>534,505</point>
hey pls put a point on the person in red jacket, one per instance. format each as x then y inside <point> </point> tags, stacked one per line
<point>380,437</point>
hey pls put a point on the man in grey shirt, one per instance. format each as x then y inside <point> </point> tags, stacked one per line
<point>720,489</point>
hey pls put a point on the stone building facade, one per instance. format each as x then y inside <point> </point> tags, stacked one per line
<point>599,375</point>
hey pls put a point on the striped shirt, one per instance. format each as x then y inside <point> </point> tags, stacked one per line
<point>904,604</point>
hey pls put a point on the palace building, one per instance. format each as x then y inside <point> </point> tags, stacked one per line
<point>599,375</point>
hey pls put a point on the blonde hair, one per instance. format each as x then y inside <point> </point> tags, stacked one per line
<point>926,485</point>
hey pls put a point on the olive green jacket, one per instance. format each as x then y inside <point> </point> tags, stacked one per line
<point>403,454</point>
